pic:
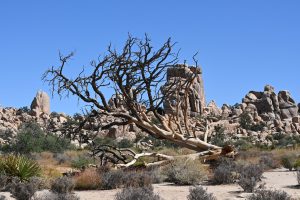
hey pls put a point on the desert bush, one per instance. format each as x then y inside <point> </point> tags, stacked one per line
<point>4,180</point>
<point>61,158</point>
<point>63,185</point>
<point>185,172</point>
<point>267,161</point>
<point>141,193</point>
<point>19,166</point>
<point>225,172</point>
<point>112,179</point>
<point>125,143</point>
<point>249,176</point>
<point>269,195</point>
<point>24,190</point>
<point>31,138</point>
<point>137,179</point>
<point>55,196</point>
<point>298,177</point>
<point>288,161</point>
<point>87,180</point>
<point>199,193</point>
<point>61,189</point>
<point>81,161</point>
<point>156,175</point>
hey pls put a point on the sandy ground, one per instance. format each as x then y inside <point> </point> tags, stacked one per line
<point>276,179</point>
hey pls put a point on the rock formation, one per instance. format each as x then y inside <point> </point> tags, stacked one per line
<point>40,104</point>
<point>179,74</point>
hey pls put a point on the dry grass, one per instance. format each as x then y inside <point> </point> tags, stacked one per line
<point>88,180</point>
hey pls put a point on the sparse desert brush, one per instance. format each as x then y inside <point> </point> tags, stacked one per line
<point>225,172</point>
<point>89,179</point>
<point>141,193</point>
<point>288,161</point>
<point>199,193</point>
<point>267,161</point>
<point>269,195</point>
<point>298,177</point>
<point>185,172</point>
<point>137,179</point>
<point>112,179</point>
<point>250,175</point>
<point>24,190</point>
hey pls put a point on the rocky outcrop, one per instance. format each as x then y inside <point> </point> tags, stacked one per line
<point>196,98</point>
<point>40,104</point>
<point>287,105</point>
<point>270,106</point>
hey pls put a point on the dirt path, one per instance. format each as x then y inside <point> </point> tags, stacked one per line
<point>279,179</point>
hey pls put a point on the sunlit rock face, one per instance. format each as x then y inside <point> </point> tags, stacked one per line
<point>196,98</point>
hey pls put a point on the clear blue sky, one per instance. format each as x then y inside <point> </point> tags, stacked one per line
<point>242,44</point>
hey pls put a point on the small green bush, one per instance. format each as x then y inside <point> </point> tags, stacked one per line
<point>31,138</point>
<point>199,193</point>
<point>269,195</point>
<point>19,166</point>
<point>185,172</point>
<point>125,143</point>
<point>81,161</point>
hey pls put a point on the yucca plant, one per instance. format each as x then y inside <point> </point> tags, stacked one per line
<point>19,166</point>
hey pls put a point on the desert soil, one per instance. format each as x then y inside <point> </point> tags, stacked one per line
<point>279,179</point>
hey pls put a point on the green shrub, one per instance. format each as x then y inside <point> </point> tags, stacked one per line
<point>19,166</point>
<point>199,193</point>
<point>125,143</point>
<point>185,172</point>
<point>31,138</point>
<point>81,161</point>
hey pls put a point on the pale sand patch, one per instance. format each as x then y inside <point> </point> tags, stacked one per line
<point>279,179</point>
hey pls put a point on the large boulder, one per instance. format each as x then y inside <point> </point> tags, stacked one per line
<point>40,104</point>
<point>287,105</point>
<point>179,74</point>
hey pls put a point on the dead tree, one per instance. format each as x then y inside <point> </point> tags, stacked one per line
<point>136,74</point>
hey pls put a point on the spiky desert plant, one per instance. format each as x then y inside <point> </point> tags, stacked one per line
<point>19,166</point>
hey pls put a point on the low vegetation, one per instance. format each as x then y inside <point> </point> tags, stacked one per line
<point>185,172</point>
<point>269,194</point>
<point>199,193</point>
